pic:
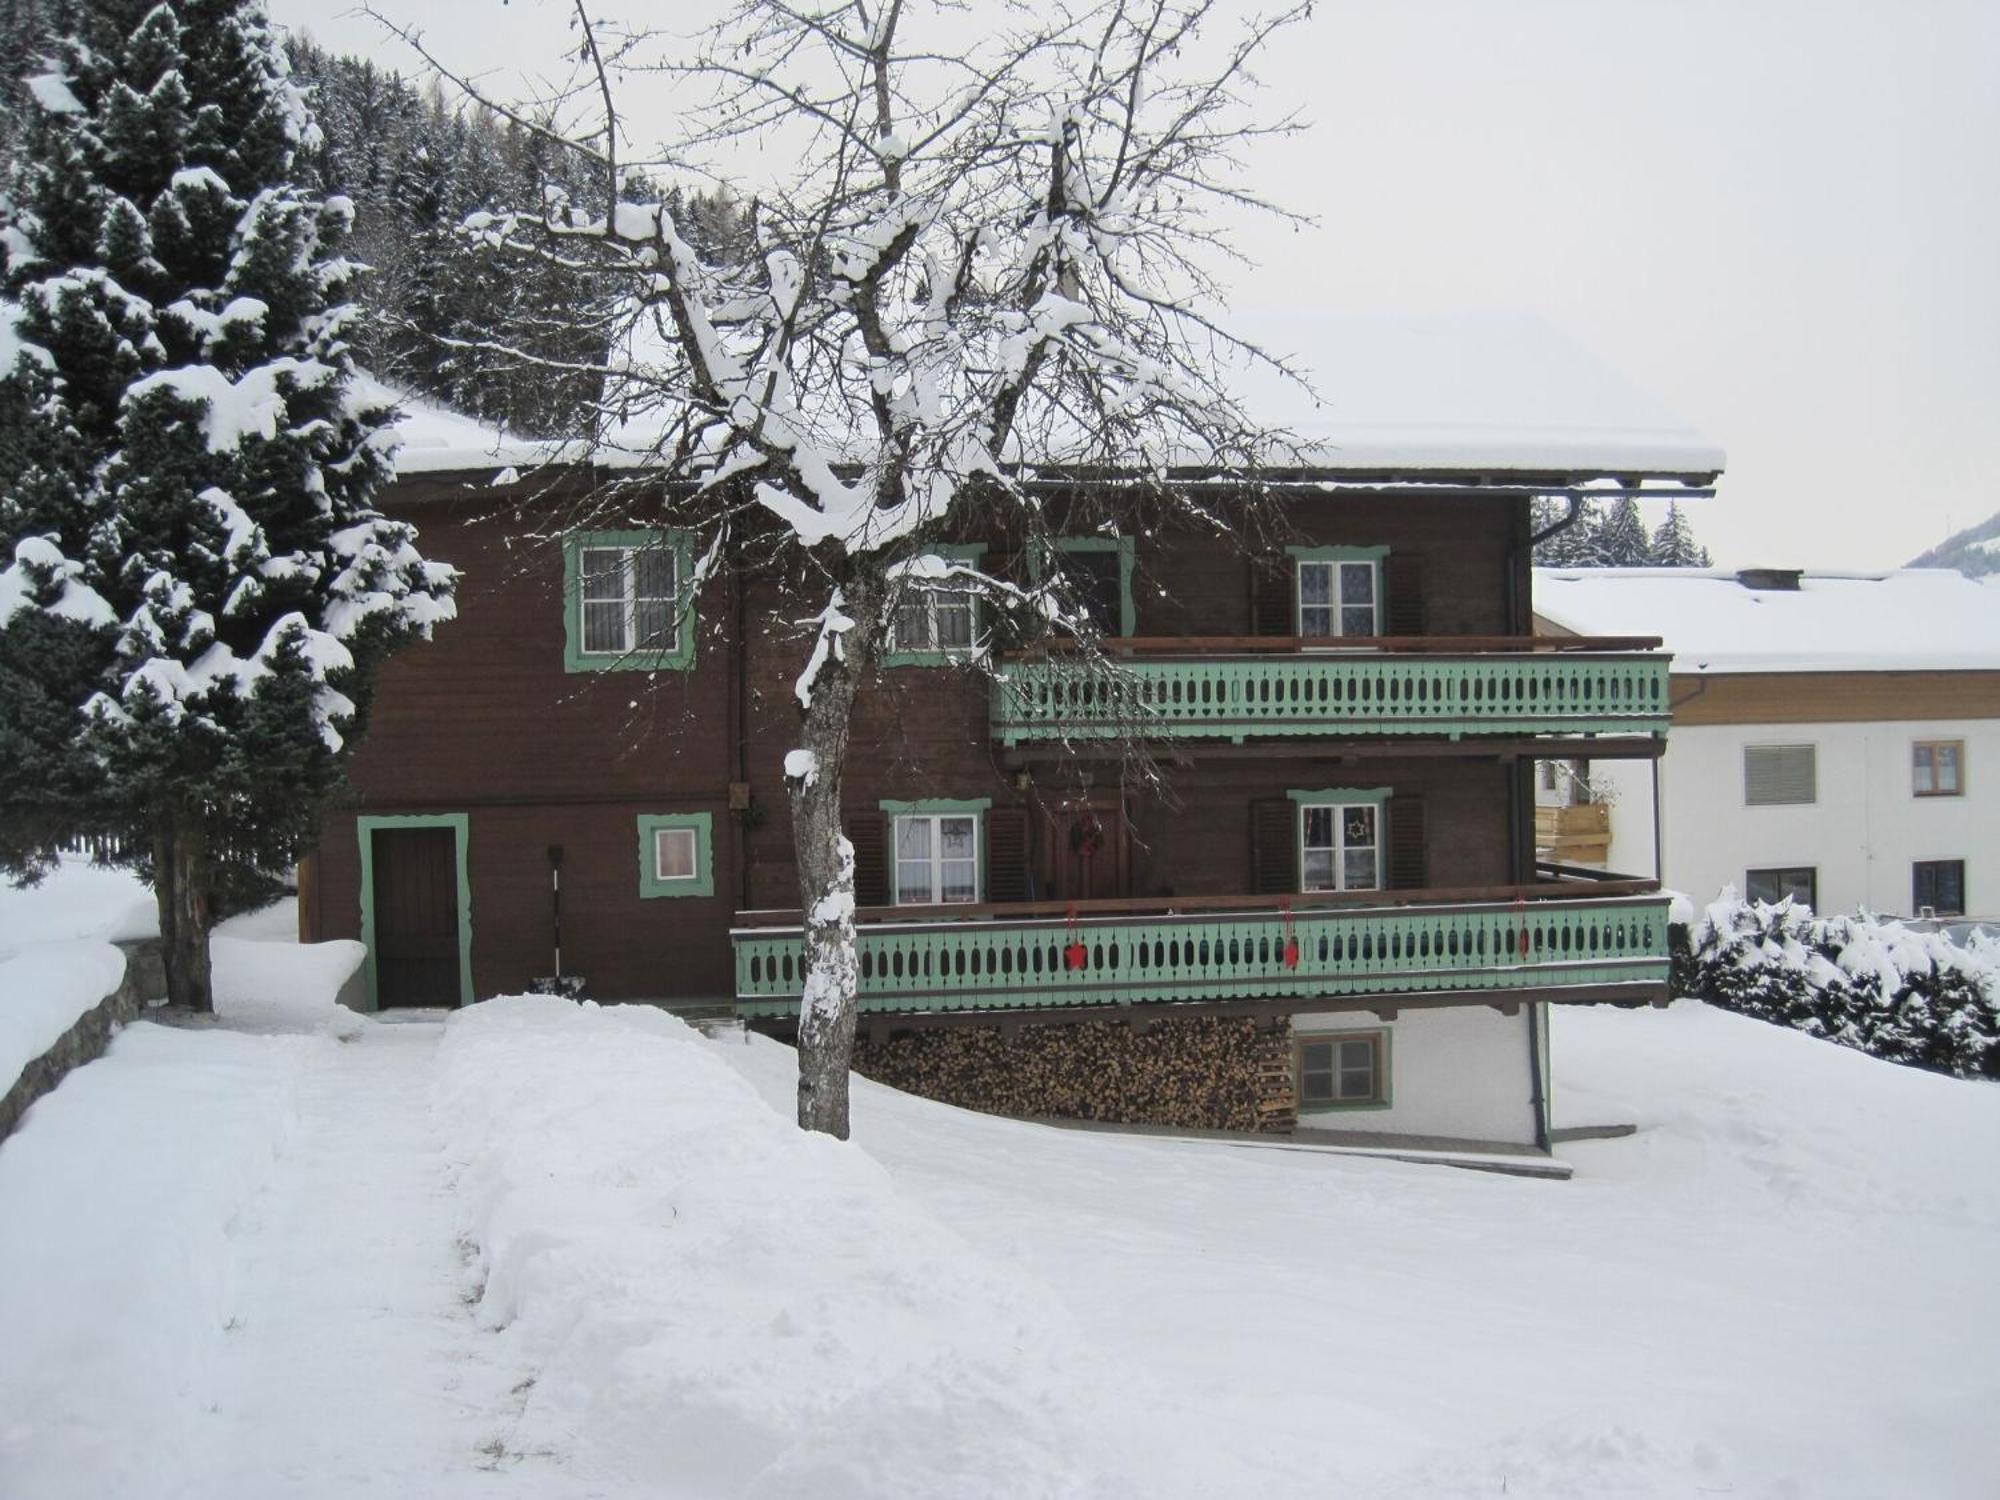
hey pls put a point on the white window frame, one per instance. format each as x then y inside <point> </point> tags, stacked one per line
<point>629,600</point>
<point>1337,594</point>
<point>935,859</point>
<point>936,598</point>
<point>1339,848</point>
<point>1336,1071</point>
<point>660,837</point>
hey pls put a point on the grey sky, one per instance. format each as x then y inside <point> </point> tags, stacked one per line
<point>1782,217</point>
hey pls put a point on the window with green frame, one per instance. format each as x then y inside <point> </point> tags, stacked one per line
<point>1340,839</point>
<point>1337,590</point>
<point>937,621</point>
<point>1099,572</point>
<point>676,854</point>
<point>937,851</point>
<point>626,604</point>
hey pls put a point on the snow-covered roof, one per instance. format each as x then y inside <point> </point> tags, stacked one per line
<point>1477,392</point>
<point>1493,393</point>
<point>1910,619</point>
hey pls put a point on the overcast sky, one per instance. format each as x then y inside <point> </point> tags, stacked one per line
<point>1781,217</point>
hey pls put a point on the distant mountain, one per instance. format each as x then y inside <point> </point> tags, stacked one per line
<point>1975,551</point>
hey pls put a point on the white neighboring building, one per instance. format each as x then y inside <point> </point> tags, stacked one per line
<point>1836,736</point>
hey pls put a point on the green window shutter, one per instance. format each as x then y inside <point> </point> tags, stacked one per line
<point>1409,867</point>
<point>1274,847</point>
<point>1404,611</point>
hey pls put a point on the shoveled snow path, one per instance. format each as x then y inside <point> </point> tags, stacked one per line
<point>354,1363</point>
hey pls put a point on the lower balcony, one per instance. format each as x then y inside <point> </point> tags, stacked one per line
<point>1233,955</point>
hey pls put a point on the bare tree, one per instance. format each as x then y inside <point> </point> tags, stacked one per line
<point>988,269</point>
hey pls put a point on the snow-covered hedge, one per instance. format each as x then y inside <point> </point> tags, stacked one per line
<point>1888,989</point>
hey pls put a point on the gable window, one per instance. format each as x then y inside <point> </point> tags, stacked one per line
<point>1938,887</point>
<point>1779,775</point>
<point>936,620</point>
<point>1339,590</point>
<point>1344,1071</point>
<point>1340,840</point>
<point>676,854</point>
<point>1798,883</point>
<point>1937,768</point>
<point>623,601</point>
<point>935,851</point>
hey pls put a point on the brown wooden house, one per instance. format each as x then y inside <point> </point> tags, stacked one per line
<point>1330,915</point>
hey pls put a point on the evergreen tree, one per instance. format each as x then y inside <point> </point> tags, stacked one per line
<point>1674,545</point>
<point>1621,540</point>
<point>195,588</point>
<point>1575,546</point>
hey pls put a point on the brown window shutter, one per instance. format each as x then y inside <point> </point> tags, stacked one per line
<point>1403,611</point>
<point>1274,852</point>
<point>1271,611</point>
<point>1408,868</point>
<point>869,834</point>
<point>1007,854</point>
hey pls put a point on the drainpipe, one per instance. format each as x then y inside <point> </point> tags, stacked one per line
<point>1538,1099</point>
<point>1511,587</point>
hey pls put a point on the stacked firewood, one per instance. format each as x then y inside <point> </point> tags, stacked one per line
<point>1195,1074</point>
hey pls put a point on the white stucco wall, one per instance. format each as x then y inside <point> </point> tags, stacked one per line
<point>1461,1072</point>
<point>1862,835</point>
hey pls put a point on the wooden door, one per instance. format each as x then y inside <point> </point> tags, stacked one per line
<point>1084,853</point>
<point>416,916</point>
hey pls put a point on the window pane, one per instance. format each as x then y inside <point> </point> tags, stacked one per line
<point>1359,869</point>
<point>604,626</point>
<point>1318,827</point>
<point>913,883</point>
<point>1096,577</point>
<point>1315,583</point>
<point>913,838</point>
<point>955,837</point>
<point>959,880</point>
<point>954,620</point>
<point>1316,620</point>
<point>603,570</point>
<point>1947,768</point>
<point>1316,1072</point>
<point>913,625</point>
<point>1357,583</point>
<point>1921,765</point>
<point>1317,871</point>
<point>1358,824</point>
<point>674,854</point>
<point>1357,621</point>
<point>653,624</point>
<point>653,573</point>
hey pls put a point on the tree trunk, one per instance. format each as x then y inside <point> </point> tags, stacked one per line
<point>183,884</point>
<point>826,879</point>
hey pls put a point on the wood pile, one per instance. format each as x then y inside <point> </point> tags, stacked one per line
<point>1193,1074</point>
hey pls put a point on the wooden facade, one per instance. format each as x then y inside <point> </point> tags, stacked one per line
<point>553,773</point>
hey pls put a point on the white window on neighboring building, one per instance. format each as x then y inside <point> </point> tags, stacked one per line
<point>1937,768</point>
<point>630,599</point>
<point>937,858</point>
<point>1346,1070</point>
<point>1340,846</point>
<point>1777,775</point>
<point>1340,598</point>
<point>1799,883</point>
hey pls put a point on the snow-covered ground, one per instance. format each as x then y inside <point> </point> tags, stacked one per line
<point>546,1250</point>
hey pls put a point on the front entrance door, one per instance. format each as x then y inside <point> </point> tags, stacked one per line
<point>415,877</point>
<point>1084,851</point>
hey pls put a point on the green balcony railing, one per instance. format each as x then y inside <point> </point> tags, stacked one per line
<point>1096,959</point>
<point>1319,691</point>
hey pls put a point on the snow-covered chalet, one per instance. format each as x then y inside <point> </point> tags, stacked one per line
<point>1333,917</point>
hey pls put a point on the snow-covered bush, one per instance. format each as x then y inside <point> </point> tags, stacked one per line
<point>1891,990</point>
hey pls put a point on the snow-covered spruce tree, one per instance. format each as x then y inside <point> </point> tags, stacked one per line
<point>1576,545</point>
<point>196,589</point>
<point>980,266</point>
<point>1673,544</point>
<point>1622,541</point>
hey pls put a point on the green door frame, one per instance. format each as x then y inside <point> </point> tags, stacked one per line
<point>364,833</point>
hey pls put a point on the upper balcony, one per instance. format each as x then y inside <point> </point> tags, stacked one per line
<point>1238,688</point>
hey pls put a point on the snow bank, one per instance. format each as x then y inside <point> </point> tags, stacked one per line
<point>722,1304</point>
<point>118,1202</point>
<point>267,980</point>
<point>43,991</point>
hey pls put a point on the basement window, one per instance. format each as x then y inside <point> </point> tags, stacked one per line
<point>1798,883</point>
<point>1938,887</point>
<point>1345,1071</point>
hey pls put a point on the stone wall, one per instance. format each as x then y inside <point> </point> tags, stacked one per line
<point>1207,1074</point>
<point>85,1041</point>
